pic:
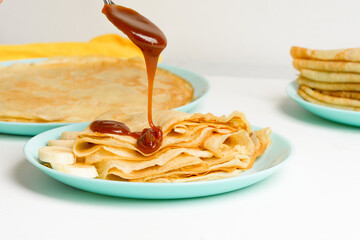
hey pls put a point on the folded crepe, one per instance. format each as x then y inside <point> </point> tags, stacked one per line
<point>330,66</point>
<point>331,77</point>
<point>350,54</point>
<point>342,94</point>
<point>62,89</point>
<point>329,86</point>
<point>326,99</point>
<point>195,147</point>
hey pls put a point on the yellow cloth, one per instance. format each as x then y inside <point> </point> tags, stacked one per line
<point>105,45</point>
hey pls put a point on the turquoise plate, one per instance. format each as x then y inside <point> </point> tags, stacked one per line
<point>200,84</point>
<point>275,156</point>
<point>333,114</point>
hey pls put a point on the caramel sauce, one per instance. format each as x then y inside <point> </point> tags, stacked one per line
<point>151,41</point>
<point>147,141</point>
<point>113,127</point>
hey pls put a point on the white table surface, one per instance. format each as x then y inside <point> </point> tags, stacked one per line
<point>315,196</point>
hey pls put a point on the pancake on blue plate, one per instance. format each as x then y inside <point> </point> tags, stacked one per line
<point>78,89</point>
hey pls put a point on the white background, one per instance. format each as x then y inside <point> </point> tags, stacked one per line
<point>315,196</point>
<point>243,36</point>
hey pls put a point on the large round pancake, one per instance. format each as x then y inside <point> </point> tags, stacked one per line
<point>76,89</point>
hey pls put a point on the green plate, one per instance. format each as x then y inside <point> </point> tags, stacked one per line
<point>200,84</point>
<point>278,153</point>
<point>333,114</point>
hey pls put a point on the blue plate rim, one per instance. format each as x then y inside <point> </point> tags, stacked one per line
<point>35,162</point>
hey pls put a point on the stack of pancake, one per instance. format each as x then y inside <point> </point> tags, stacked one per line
<point>329,77</point>
<point>195,147</point>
